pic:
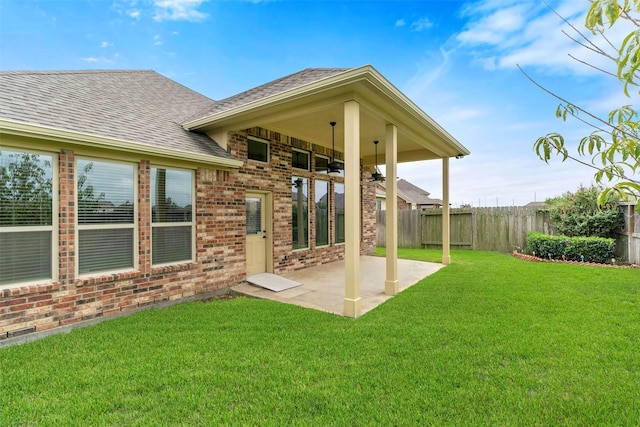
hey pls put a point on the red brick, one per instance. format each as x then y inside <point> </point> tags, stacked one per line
<point>220,247</point>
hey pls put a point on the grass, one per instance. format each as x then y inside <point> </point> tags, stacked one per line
<point>489,340</point>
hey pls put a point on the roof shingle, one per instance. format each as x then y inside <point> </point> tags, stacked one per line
<point>143,106</point>
<point>274,87</point>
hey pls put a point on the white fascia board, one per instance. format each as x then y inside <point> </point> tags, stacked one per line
<point>412,109</point>
<point>337,80</point>
<point>366,73</point>
<point>11,127</point>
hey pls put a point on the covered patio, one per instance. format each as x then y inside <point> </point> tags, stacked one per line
<point>322,286</point>
<point>366,109</point>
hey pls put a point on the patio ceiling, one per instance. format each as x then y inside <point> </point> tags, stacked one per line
<point>305,112</point>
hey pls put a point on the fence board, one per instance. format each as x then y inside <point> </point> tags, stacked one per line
<point>492,229</point>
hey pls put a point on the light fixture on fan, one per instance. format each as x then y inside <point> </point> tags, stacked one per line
<point>334,167</point>
<point>377,176</point>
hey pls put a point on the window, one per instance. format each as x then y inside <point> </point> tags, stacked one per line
<point>322,164</point>
<point>322,212</point>
<point>300,159</point>
<point>26,216</point>
<point>300,212</point>
<point>258,150</point>
<point>106,216</point>
<point>171,215</point>
<point>338,197</point>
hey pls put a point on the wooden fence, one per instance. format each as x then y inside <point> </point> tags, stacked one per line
<point>628,240</point>
<point>491,229</point>
<point>498,229</point>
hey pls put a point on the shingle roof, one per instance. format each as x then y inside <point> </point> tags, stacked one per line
<point>137,106</point>
<point>274,87</point>
<point>414,194</point>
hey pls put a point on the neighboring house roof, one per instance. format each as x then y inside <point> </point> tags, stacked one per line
<point>413,194</point>
<point>539,205</point>
<point>141,107</point>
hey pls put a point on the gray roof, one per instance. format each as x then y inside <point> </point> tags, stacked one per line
<point>274,87</point>
<point>143,106</point>
<point>540,205</point>
<point>414,194</point>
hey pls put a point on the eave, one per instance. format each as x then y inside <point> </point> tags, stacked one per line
<point>21,129</point>
<point>305,111</point>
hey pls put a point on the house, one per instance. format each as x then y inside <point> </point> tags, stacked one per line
<point>537,205</point>
<point>125,189</point>
<point>409,197</point>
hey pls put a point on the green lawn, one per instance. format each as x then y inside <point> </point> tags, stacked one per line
<point>488,340</point>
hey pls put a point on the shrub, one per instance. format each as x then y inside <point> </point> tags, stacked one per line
<point>594,249</point>
<point>543,244</point>
<point>578,214</point>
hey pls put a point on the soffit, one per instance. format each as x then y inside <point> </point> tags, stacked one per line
<point>305,113</point>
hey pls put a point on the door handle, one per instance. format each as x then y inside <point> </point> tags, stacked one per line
<point>264,234</point>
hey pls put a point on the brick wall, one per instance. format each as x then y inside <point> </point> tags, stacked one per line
<point>219,259</point>
<point>220,241</point>
<point>403,205</point>
<point>275,177</point>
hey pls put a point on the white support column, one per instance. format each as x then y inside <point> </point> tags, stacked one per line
<point>446,228</point>
<point>391,156</point>
<point>352,301</point>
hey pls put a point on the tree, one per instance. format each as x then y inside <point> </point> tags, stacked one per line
<point>578,215</point>
<point>614,145</point>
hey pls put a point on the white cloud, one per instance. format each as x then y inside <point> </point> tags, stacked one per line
<point>400,23</point>
<point>421,24</point>
<point>468,113</point>
<point>105,44</point>
<point>500,28</point>
<point>178,10</point>
<point>157,40</point>
<point>134,13</point>
<point>428,71</point>
<point>525,33</point>
<point>93,59</point>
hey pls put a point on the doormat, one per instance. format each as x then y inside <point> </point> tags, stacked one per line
<point>272,282</point>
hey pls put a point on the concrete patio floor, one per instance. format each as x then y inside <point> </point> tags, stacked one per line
<point>323,286</point>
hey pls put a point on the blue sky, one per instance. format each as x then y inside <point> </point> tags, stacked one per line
<point>455,59</point>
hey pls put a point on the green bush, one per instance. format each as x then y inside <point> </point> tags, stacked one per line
<point>578,214</point>
<point>594,249</point>
<point>547,246</point>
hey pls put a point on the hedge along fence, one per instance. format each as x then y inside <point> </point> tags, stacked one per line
<point>589,249</point>
<point>498,229</point>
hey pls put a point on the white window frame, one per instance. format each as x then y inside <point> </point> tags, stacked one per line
<point>54,220</point>
<point>192,223</point>
<point>262,141</point>
<point>134,226</point>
